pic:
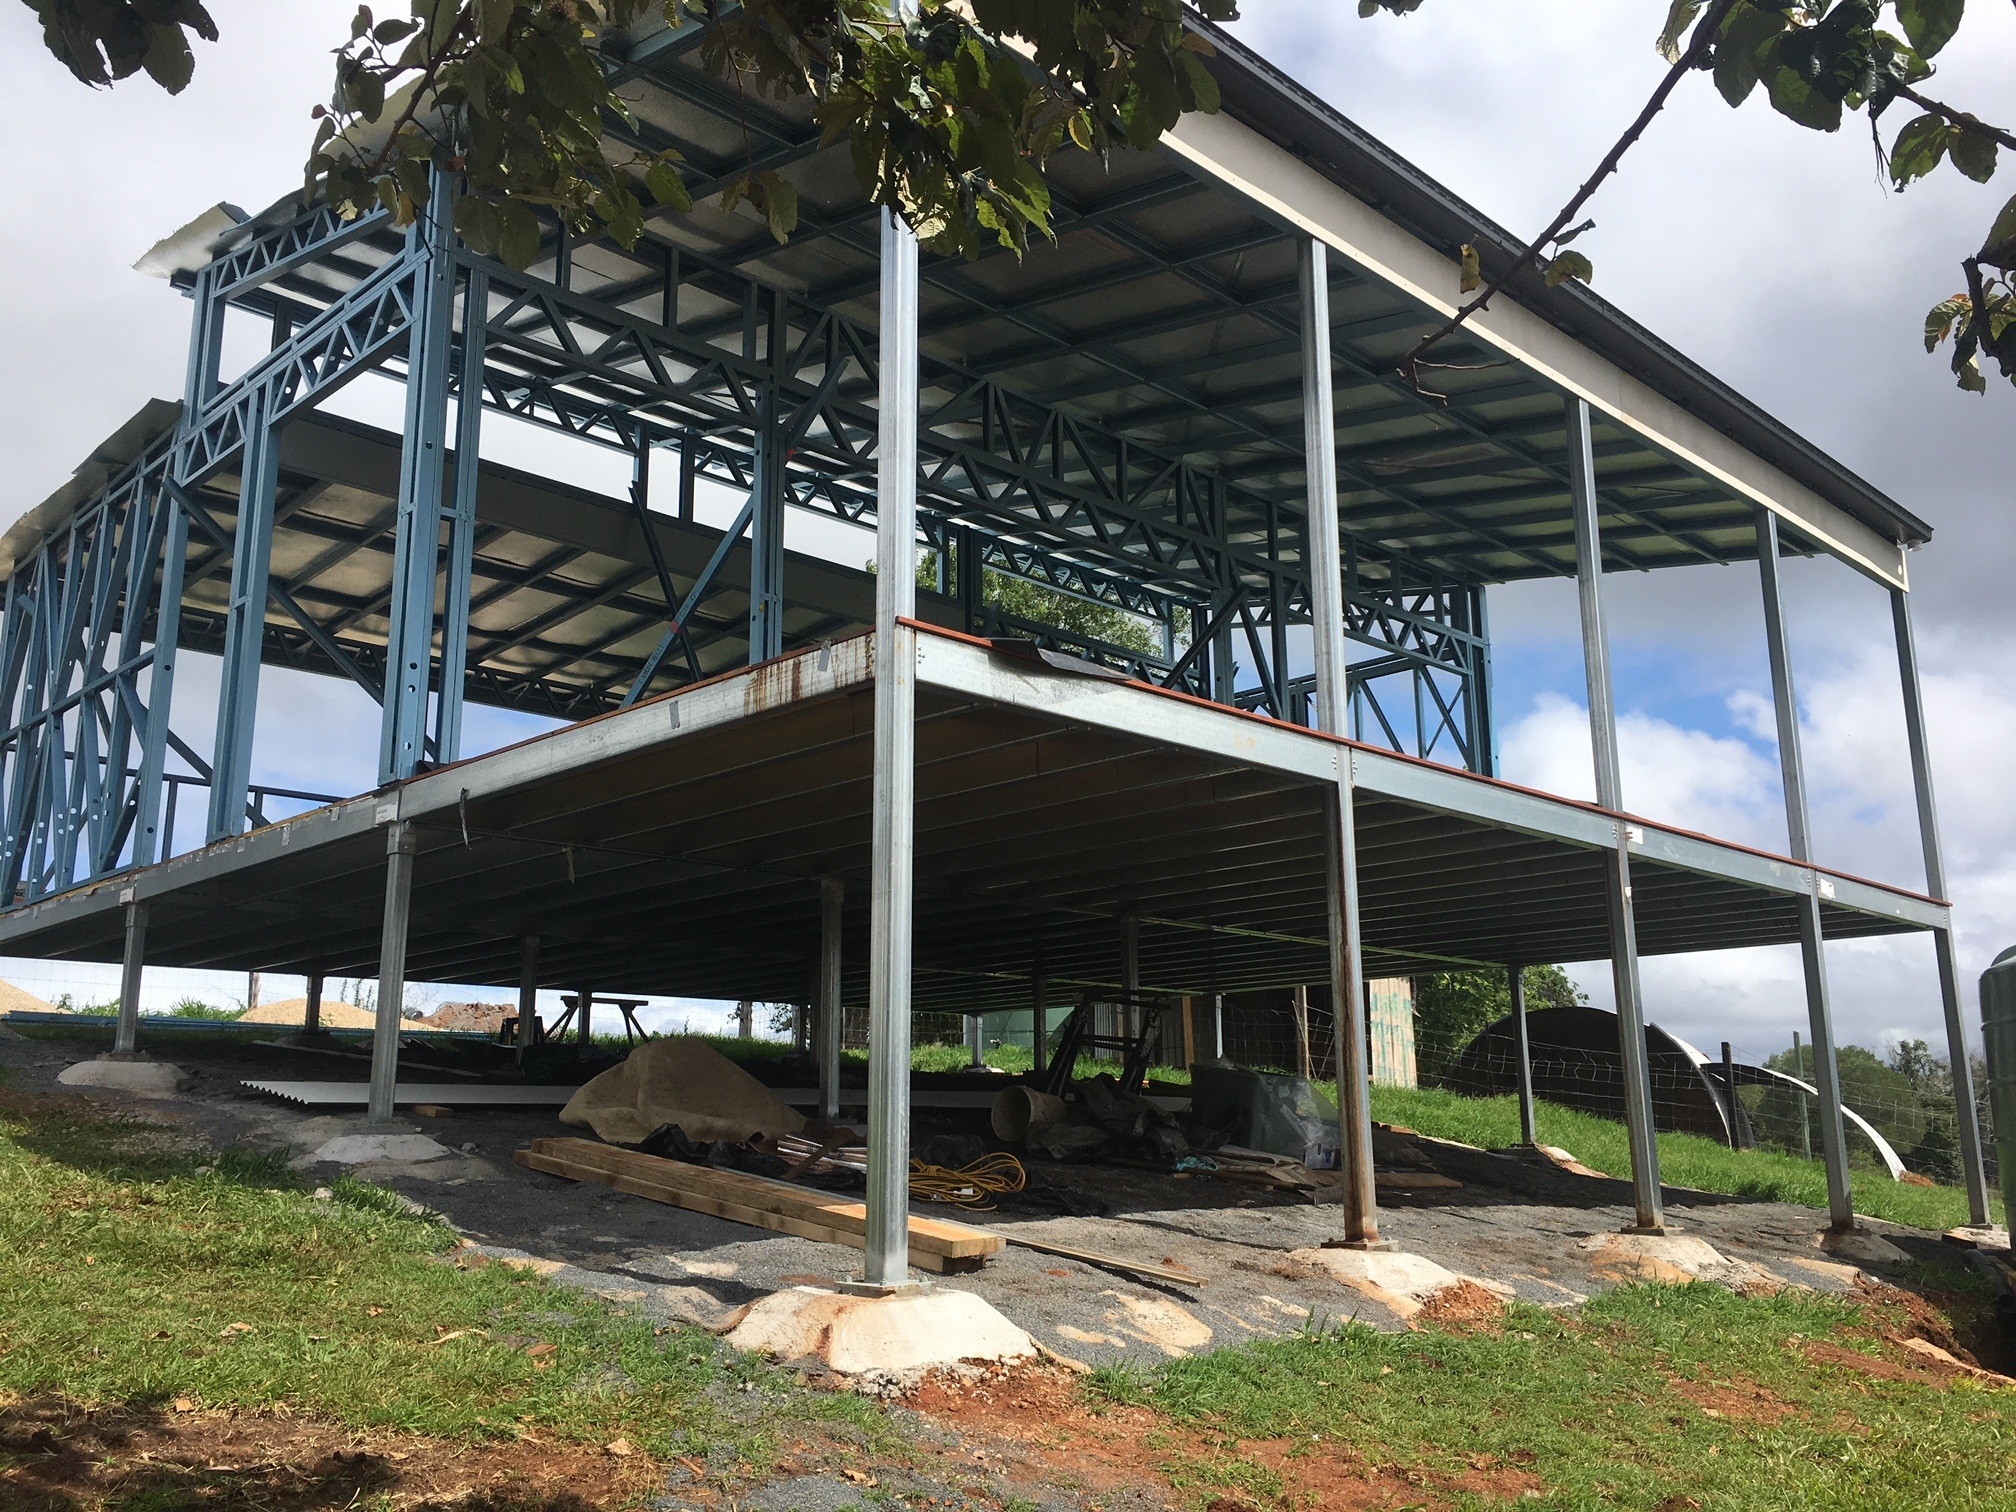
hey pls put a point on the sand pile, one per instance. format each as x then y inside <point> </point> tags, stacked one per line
<point>14,1000</point>
<point>294,1012</point>
<point>478,1018</point>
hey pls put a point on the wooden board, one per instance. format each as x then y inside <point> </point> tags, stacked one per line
<point>957,1241</point>
<point>747,1194</point>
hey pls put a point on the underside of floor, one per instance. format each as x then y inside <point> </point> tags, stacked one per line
<point>677,848</point>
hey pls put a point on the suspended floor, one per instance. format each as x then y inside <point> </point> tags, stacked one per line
<point>676,847</point>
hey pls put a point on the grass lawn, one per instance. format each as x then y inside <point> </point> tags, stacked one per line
<point>182,1330</point>
<point>1685,1160</point>
<point>138,1275</point>
<point>1661,1398</point>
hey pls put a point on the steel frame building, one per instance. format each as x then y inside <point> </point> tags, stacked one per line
<point>1185,409</point>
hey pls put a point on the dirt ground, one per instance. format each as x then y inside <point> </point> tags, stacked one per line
<point>1515,1226</point>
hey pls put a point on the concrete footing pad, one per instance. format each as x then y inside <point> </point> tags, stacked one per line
<point>901,1335</point>
<point>1399,1282</point>
<point>143,1078</point>
<point>363,1149</point>
<point>1672,1258</point>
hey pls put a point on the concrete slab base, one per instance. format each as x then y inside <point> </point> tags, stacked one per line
<point>897,1336</point>
<point>143,1078</point>
<point>1399,1282</point>
<point>364,1149</point>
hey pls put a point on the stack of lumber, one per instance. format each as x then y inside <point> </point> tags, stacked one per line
<point>758,1201</point>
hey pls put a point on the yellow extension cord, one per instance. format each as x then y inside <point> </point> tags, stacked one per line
<point>972,1187</point>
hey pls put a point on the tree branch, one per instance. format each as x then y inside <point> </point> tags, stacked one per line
<point>1704,38</point>
<point>1958,118</point>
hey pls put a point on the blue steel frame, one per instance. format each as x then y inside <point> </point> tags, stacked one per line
<point>785,414</point>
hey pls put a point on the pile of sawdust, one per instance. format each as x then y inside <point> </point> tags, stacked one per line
<point>15,1000</point>
<point>294,1012</point>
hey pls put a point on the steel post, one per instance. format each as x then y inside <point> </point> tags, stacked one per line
<point>127,1036</point>
<point>832,905</point>
<point>1812,941</point>
<point>244,630</point>
<point>1515,977</point>
<point>528,996</point>
<point>1039,991</point>
<point>766,533</point>
<point>153,839</point>
<point>1130,975</point>
<point>423,464</point>
<point>401,843</point>
<point>1332,713</point>
<point>311,1014</point>
<point>894,822</point>
<point>1610,795</point>
<point>1935,884</point>
<point>584,1014</point>
<point>462,519</point>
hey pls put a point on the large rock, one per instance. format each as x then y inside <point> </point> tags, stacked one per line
<point>143,1078</point>
<point>899,1335</point>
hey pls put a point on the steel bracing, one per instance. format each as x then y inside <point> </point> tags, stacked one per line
<point>778,402</point>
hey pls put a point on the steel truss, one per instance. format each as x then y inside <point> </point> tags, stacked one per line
<point>753,389</point>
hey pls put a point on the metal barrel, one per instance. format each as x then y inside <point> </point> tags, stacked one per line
<point>1998,1031</point>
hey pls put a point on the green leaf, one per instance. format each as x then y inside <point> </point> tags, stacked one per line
<point>1678,19</point>
<point>1999,250</point>
<point>1930,24</point>
<point>780,207</point>
<point>1968,371</point>
<point>1973,153</point>
<point>1919,147</point>
<point>1473,270</point>
<point>517,234</point>
<point>1794,98</point>
<point>1737,50</point>
<point>1200,86</point>
<point>666,185</point>
<point>1939,321</point>
<point>169,62</point>
<point>1569,265</point>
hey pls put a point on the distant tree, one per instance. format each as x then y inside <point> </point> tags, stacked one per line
<point>1888,1098</point>
<point>1451,1008</point>
<point>1072,615</point>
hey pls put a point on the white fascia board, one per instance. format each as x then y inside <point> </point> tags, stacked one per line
<point>1247,162</point>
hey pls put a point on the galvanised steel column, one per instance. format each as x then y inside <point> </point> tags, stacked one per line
<point>1039,987</point>
<point>1935,884</point>
<point>150,841</point>
<point>832,899</point>
<point>1332,714</point>
<point>1130,975</point>
<point>766,532</point>
<point>311,1015</point>
<point>1516,980</point>
<point>423,466</point>
<point>888,1236</point>
<point>1610,795</point>
<point>400,845</point>
<point>528,996</point>
<point>462,518</point>
<point>244,628</point>
<point>127,1035</point>
<point>1798,828</point>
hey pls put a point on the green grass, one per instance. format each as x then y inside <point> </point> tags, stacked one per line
<point>1588,1405</point>
<point>134,1274</point>
<point>1685,1160</point>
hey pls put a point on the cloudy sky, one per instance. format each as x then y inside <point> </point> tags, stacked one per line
<point>1772,255</point>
